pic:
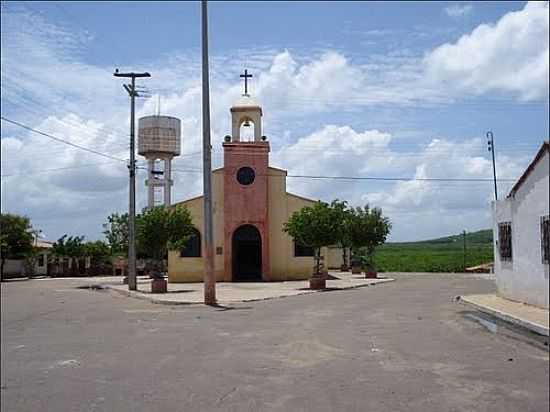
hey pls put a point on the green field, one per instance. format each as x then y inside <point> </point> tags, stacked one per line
<point>436,255</point>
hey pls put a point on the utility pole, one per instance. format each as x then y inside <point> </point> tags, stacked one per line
<point>131,89</point>
<point>491,148</point>
<point>464,250</point>
<point>209,276</point>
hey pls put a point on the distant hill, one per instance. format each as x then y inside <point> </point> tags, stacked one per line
<point>481,236</point>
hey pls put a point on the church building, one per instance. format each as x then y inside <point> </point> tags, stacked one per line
<point>250,207</point>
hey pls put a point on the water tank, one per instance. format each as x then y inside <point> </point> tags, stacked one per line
<point>159,135</point>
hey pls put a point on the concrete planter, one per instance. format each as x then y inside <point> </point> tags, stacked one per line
<point>371,274</point>
<point>159,286</point>
<point>318,283</point>
<point>356,270</point>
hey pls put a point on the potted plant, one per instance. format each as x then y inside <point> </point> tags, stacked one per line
<point>158,281</point>
<point>367,264</point>
<point>160,229</point>
<point>355,264</point>
<point>315,226</point>
<point>369,230</point>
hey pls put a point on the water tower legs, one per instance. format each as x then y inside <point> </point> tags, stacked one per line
<point>150,183</point>
<point>159,178</point>
<point>167,181</point>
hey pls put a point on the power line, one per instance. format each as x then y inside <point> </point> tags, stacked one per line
<point>35,172</point>
<point>58,139</point>
<point>388,179</point>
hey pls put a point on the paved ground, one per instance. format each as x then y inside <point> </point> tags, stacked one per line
<point>528,316</point>
<point>231,292</point>
<point>403,346</point>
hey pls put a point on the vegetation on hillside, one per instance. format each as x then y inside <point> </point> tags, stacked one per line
<point>444,254</point>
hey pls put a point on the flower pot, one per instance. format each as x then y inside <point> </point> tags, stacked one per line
<point>159,286</point>
<point>356,270</point>
<point>371,274</point>
<point>317,283</point>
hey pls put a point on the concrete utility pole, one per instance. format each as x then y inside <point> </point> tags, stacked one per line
<point>131,89</point>
<point>491,148</point>
<point>209,276</point>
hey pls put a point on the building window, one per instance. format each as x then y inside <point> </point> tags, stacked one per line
<point>193,245</point>
<point>505,240</point>
<point>41,260</point>
<point>303,251</point>
<point>545,238</point>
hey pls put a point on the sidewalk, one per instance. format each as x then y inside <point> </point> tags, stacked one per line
<point>232,292</point>
<point>526,316</point>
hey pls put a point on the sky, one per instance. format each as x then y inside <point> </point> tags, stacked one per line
<point>363,89</point>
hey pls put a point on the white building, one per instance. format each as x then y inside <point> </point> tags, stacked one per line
<point>521,232</point>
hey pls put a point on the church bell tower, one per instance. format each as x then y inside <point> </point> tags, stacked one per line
<point>245,194</point>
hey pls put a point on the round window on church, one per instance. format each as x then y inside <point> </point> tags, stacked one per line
<point>245,175</point>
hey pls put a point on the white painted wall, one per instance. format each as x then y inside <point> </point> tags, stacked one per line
<point>525,278</point>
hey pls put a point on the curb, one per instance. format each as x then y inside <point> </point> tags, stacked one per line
<point>142,296</point>
<point>157,300</point>
<point>532,326</point>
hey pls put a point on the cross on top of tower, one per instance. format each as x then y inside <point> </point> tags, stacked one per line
<point>245,76</point>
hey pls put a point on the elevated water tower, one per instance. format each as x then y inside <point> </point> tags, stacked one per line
<point>159,141</point>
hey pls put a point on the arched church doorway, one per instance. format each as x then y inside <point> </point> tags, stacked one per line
<point>247,254</point>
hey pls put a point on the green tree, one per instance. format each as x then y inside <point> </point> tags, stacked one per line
<point>116,233</point>
<point>368,230</point>
<point>69,246</point>
<point>315,226</point>
<point>160,229</point>
<point>98,251</point>
<point>345,218</point>
<point>16,238</point>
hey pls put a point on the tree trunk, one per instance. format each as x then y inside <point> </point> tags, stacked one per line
<point>317,261</point>
<point>344,259</point>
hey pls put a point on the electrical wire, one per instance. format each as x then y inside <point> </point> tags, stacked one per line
<point>60,140</point>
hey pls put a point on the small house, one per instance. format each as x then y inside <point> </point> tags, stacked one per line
<point>521,227</point>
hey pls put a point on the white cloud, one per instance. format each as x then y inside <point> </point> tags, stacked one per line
<point>415,206</point>
<point>509,56</point>
<point>458,10</point>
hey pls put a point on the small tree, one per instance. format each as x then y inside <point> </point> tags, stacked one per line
<point>368,230</point>
<point>71,247</point>
<point>116,233</point>
<point>345,219</point>
<point>315,226</point>
<point>98,251</point>
<point>160,229</point>
<point>16,238</point>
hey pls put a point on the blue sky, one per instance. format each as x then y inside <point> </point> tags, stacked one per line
<point>402,89</point>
